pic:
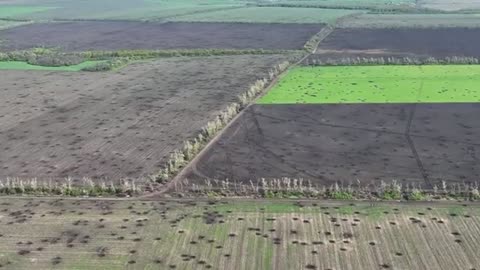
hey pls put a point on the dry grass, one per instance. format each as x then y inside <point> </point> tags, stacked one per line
<point>98,234</point>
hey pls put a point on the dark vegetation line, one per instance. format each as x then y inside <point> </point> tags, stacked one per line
<point>65,187</point>
<point>315,60</point>
<point>288,188</point>
<point>116,59</point>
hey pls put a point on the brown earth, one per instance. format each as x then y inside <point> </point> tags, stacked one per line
<point>406,42</point>
<point>114,124</point>
<point>421,144</point>
<point>116,35</point>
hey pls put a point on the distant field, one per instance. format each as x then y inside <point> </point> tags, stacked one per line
<point>411,21</point>
<point>450,4</point>
<point>400,42</point>
<point>342,3</point>
<point>111,234</point>
<point>7,11</point>
<point>268,15</point>
<point>119,35</point>
<point>118,9</point>
<point>17,65</point>
<point>377,84</point>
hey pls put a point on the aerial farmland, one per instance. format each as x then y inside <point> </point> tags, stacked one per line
<point>239,134</point>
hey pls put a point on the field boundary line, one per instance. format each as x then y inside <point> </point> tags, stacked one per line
<point>181,174</point>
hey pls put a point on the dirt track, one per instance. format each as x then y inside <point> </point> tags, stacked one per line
<point>96,35</point>
<point>119,124</point>
<point>440,43</point>
<point>326,143</point>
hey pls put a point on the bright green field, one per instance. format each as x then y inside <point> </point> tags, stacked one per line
<point>268,15</point>
<point>377,84</point>
<point>115,9</point>
<point>14,11</point>
<point>17,65</point>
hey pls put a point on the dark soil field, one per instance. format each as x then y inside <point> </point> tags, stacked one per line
<point>421,144</point>
<point>114,124</point>
<point>407,42</point>
<point>96,35</point>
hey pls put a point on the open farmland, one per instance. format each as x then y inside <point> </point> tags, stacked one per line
<point>268,15</point>
<point>110,10</point>
<point>377,84</point>
<point>403,42</point>
<point>96,35</point>
<point>116,124</point>
<point>96,234</point>
<point>411,21</point>
<point>450,5</point>
<point>361,144</point>
<point>342,3</point>
<point>413,124</point>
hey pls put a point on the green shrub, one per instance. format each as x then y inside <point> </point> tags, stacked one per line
<point>341,195</point>
<point>417,195</point>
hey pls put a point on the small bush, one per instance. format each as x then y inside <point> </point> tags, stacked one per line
<point>341,195</point>
<point>417,195</point>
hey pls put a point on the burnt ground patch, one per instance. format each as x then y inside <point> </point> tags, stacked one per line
<point>421,144</point>
<point>113,125</point>
<point>116,35</point>
<point>403,42</point>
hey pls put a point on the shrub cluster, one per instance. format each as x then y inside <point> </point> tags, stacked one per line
<point>107,65</point>
<point>312,43</point>
<point>65,187</point>
<point>43,57</point>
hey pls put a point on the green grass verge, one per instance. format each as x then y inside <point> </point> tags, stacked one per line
<point>14,11</point>
<point>18,65</point>
<point>5,24</point>
<point>377,84</point>
<point>268,15</point>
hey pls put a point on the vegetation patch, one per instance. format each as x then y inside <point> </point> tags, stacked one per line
<point>18,65</point>
<point>377,84</point>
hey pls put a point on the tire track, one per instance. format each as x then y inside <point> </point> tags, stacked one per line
<point>411,143</point>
